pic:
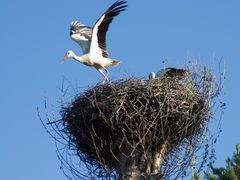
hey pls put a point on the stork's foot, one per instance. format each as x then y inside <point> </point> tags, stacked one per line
<point>106,81</point>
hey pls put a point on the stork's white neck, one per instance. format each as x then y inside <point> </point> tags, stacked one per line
<point>77,58</point>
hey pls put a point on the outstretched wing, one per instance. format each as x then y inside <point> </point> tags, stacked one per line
<point>81,34</point>
<point>98,40</point>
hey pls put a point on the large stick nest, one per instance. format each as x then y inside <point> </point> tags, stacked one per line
<point>157,127</point>
<point>130,117</point>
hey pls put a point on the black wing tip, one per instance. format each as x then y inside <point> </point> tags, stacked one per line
<point>121,2</point>
<point>75,23</point>
<point>118,6</point>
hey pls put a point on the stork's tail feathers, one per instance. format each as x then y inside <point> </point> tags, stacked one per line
<point>115,62</point>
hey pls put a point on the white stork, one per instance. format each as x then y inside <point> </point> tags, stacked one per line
<point>97,55</point>
<point>169,72</point>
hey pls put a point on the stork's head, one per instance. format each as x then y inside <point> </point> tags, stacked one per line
<point>69,54</point>
<point>151,75</point>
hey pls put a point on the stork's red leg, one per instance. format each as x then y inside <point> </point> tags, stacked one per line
<point>107,74</point>
<point>104,76</point>
<point>102,73</point>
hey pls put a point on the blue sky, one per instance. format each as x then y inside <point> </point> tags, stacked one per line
<point>35,36</point>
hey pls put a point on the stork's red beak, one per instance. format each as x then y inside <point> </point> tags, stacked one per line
<point>64,58</point>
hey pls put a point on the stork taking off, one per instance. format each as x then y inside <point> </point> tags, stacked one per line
<point>96,55</point>
<point>169,72</point>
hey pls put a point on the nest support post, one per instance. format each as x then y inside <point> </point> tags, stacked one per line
<point>158,159</point>
<point>129,168</point>
<point>140,164</point>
